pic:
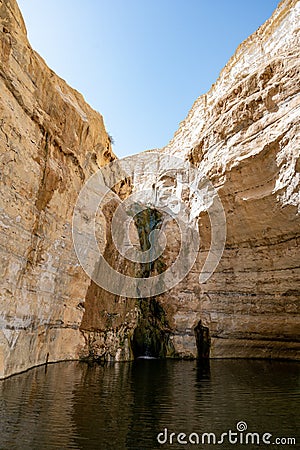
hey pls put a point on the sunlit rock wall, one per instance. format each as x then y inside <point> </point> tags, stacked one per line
<point>51,141</point>
<point>244,135</point>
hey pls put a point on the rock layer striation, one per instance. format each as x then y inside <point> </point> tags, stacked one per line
<point>244,135</point>
<point>51,141</point>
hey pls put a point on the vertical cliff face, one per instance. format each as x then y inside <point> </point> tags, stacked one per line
<point>243,135</point>
<point>51,141</point>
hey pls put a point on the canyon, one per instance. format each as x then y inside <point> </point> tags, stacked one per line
<point>242,136</point>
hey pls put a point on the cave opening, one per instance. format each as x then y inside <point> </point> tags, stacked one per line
<point>151,338</point>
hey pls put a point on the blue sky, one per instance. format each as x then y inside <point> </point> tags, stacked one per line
<point>141,63</point>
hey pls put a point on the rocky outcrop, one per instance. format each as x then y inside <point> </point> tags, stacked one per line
<point>243,135</point>
<point>51,141</point>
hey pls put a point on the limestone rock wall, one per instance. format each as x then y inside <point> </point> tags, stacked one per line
<point>244,135</point>
<point>51,141</point>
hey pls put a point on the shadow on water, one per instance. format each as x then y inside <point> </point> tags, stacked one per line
<point>125,405</point>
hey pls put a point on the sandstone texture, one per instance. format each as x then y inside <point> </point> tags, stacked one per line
<point>243,135</point>
<point>50,142</point>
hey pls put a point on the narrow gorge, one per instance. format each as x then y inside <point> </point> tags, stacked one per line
<point>243,136</point>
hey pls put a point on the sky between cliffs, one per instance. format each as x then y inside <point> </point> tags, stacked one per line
<point>141,63</point>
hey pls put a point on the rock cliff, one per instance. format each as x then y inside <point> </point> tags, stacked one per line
<point>243,135</point>
<point>50,142</point>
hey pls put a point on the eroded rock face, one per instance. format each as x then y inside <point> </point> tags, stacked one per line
<point>243,135</point>
<point>51,141</point>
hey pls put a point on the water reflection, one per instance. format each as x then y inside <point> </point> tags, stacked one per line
<point>36,408</point>
<point>125,405</point>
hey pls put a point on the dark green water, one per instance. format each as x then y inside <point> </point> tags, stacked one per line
<point>125,405</point>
